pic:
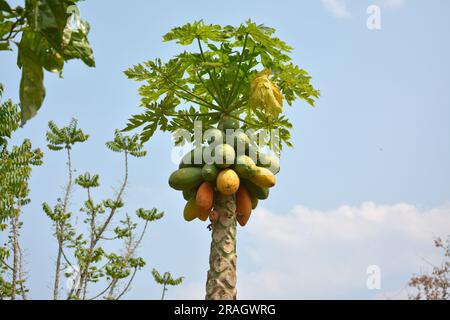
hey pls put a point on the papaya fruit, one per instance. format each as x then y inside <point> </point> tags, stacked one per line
<point>210,172</point>
<point>189,193</point>
<point>229,124</point>
<point>253,153</point>
<point>263,178</point>
<point>254,203</point>
<point>255,190</point>
<point>208,154</point>
<point>243,202</point>
<point>227,182</point>
<point>245,167</point>
<point>205,196</point>
<point>268,162</point>
<point>186,178</point>
<point>193,158</point>
<point>243,206</point>
<point>224,155</point>
<point>204,216</point>
<point>214,135</point>
<point>190,210</point>
<point>243,219</point>
<point>239,141</point>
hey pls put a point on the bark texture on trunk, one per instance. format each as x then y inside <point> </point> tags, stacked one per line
<point>221,282</point>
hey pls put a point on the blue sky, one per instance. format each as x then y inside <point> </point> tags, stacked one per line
<point>366,183</point>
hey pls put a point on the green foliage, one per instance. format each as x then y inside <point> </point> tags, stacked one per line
<point>88,181</point>
<point>149,215</point>
<point>9,120</point>
<point>16,165</point>
<point>48,40</point>
<point>66,137</point>
<point>88,250</point>
<point>130,145</point>
<point>214,82</point>
<point>165,280</point>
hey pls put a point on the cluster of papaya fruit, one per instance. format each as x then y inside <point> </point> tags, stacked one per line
<point>224,165</point>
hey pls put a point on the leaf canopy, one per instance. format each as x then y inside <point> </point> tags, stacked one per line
<point>213,82</point>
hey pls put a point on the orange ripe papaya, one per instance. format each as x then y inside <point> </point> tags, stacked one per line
<point>205,196</point>
<point>243,219</point>
<point>243,205</point>
<point>243,201</point>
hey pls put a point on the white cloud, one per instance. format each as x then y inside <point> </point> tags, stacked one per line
<point>337,7</point>
<point>325,254</point>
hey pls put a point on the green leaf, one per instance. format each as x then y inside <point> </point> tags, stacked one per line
<point>76,44</point>
<point>213,80</point>
<point>187,33</point>
<point>32,91</point>
<point>51,19</point>
<point>65,137</point>
<point>35,47</point>
<point>48,17</point>
<point>5,27</point>
<point>4,6</point>
<point>4,46</point>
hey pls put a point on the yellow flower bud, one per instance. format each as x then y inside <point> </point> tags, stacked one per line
<point>265,94</point>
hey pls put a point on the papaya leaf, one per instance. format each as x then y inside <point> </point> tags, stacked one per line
<point>213,80</point>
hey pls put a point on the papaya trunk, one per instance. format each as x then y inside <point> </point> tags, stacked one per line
<point>221,281</point>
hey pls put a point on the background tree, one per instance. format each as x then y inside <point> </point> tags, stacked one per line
<point>166,280</point>
<point>434,285</point>
<point>16,164</point>
<point>59,139</point>
<point>81,248</point>
<point>240,74</point>
<point>47,33</point>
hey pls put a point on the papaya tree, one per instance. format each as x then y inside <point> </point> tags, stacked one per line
<point>224,94</point>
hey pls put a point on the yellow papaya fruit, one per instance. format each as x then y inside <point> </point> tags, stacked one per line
<point>263,178</point>
<point>227,182</point>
